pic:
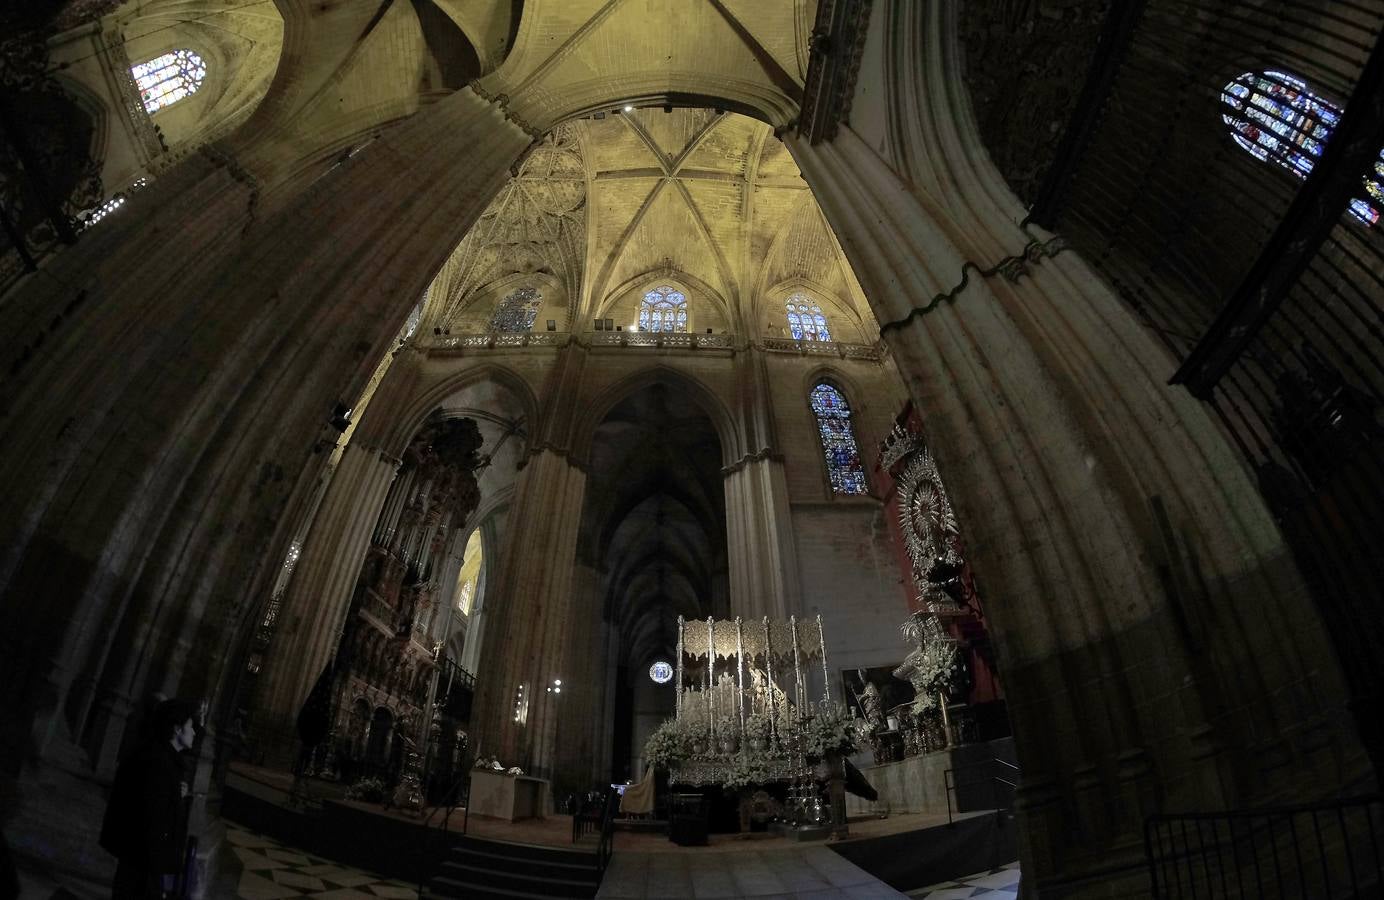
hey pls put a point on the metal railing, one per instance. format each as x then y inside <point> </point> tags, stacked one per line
<point>459,794</point>
<point>1333,850</point>
<point>605,847</point>
<point>997,783</point>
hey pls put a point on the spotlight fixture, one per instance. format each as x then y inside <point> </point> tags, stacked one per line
<point>629,109</point>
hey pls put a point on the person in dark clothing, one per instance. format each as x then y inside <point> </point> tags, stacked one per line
<point>141,827</point>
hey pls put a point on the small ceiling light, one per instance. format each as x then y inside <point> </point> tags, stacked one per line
<point>557,690</point>
<point>629,109</point>
<point>557,681</point>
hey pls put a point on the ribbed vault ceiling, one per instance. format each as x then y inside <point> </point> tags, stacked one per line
<point>605,205</point>
<point>654,521</point>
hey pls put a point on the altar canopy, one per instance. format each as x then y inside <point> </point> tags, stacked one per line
<point>729,670</point>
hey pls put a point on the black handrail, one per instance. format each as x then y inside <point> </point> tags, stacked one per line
<point>455,794</point>
<point>948,780</point>
<point>605,848</point>
<point>1310,850</point>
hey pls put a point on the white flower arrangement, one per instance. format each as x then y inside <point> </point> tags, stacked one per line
<point>756,727</point>
<point>747,769</point>
<point>671,743</point>
<point>831,729</point>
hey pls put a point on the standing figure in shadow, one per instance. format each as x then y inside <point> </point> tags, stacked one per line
<point>142,826</point>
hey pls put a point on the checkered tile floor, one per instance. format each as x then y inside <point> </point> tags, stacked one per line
<point>273,871</point>
<point>997,884</point>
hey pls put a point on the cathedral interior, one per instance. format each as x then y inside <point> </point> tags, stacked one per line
<point>404,382</point>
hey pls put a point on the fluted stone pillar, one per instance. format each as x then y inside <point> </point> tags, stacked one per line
<point>531,616</point>
<point>314,608</point>
<point>762,557</point>
<point>582,736</point>
<point>1137,589</point>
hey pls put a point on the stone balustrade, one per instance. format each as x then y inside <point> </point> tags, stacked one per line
<point>450,343</point>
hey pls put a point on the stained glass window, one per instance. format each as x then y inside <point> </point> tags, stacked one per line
<point>838,440</point>
<point>166,79</point>
<point>1275,117</point>
<point>517,311</point>
<point>805,320</point>
<point>664,309</point>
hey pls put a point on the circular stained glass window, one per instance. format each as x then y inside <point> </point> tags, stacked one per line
<point>661,672</point>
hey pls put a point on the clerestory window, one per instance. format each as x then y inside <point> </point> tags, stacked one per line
<point>806,321</point>
<point>833,414</point>
<point>1277,118</point>
<point>166,79</point>
<point>663,309</point>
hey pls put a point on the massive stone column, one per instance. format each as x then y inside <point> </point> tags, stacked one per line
<point>583,736</point>
<point>762,560</point>
<point>1158,647</point>
<point>181,369</point>
<point>759,538</point>
<point>531,617</point>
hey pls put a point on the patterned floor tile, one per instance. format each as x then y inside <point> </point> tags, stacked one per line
<point>960,893</point>
<point>1002,878</point>
<point>254,886</point>
<point>298,880</point>
<point>253,859</point>
<point>273,871</point>
<point>996,884</point>
<point>394,891</point>
<point>288,856</point>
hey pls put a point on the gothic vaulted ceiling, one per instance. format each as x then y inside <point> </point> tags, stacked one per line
<point>344,69</point>
<point>709,199</point>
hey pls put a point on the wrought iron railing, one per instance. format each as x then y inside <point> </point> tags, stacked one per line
<point>1002,781</point>
<point>1327,850</point>
<point>605,847</point>
<point>459,794</point>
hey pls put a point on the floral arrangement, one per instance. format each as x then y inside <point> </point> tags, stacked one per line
<point>935,667</point>
<point>670,743</point>
<point>830,729</point>
<point>747,769</point>
<point>938,670</point>
<point>367,790</point>
<point>756,727</point>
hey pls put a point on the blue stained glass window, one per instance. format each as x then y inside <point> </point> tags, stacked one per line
<point>1276,118</point>
<point>805,320</point>
<point>838,440</point>
<point>517,311</point>
<point>166,79</point>
<point>664,309</point>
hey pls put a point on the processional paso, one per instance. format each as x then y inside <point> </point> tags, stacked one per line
<point>745,714</point>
